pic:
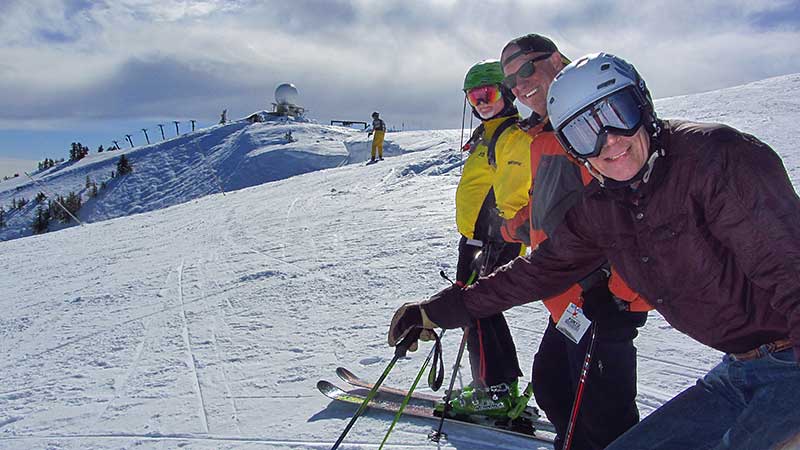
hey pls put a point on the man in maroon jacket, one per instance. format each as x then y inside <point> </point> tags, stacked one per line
<point>702,220</point>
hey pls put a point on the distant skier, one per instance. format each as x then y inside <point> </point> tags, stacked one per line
<point>378,127</point>
<point>703,220</point>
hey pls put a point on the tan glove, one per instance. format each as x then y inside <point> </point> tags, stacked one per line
<point>407,318</point>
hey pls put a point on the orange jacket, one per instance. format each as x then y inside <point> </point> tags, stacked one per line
<point>554,190</point>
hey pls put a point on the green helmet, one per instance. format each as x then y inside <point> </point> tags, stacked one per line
<point>488,71</point>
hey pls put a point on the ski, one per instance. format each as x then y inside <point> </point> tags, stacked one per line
<point>354,380</point>
<point>531,413</point>
<point>520,427</point>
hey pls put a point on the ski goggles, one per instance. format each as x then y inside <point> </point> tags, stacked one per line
<point>527,69</point>
<point>489,94</point>
<point>584,134</point>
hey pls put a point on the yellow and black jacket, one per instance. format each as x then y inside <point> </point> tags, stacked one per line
<point>495,179</point>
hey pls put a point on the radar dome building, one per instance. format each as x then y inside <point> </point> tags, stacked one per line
<point>286,97</point>
<point>284,108</point>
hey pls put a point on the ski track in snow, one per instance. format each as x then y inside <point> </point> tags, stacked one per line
<point>207,324</point>
<point>192,361</point>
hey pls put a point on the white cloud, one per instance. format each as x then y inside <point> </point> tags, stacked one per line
<point>81,59</point>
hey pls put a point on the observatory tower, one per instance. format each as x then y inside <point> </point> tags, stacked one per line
<point>286,101</point>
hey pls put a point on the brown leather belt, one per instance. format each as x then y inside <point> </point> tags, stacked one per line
<point>772,347</point>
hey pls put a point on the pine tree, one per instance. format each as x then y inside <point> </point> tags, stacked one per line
<point>88,182</point>
<point>40,198</point>
<point>74,151</point>
<point>100,149</point>
<point>73,204</point>
<point>41,221</point>
<point>124,166</point>
<point>78,151</point>
<point>56,213</point>
<point>46,164</point>
<point>93,190</point>
<point>2,217</point>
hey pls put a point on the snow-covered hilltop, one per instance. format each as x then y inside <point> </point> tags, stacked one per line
<point>218,159</point>
<point>207,324</point>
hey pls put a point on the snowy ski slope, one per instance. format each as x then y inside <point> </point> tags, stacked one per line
<point>205,321</point>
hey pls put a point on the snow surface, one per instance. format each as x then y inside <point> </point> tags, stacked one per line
<point>206,321</point>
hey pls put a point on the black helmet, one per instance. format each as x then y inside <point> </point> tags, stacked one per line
<point>375,115</point>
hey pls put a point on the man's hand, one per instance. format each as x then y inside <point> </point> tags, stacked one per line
<point>407,318</point>
<point>600,306</point>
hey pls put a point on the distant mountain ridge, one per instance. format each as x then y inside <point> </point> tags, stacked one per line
<point>240,154</point>
<point>213,160</point>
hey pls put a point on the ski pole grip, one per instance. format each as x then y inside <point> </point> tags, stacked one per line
<point>402,348</point>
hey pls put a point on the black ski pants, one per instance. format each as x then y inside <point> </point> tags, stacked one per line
<point>608,407</point>
<point>491,349</point>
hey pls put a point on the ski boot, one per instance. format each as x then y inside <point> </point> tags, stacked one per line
<point>499,401</point>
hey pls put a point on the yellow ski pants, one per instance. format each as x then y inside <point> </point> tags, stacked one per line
<point>377,143</point>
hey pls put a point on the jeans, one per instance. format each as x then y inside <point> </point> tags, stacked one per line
<point>743,405</point>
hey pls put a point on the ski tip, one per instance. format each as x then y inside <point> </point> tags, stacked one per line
<point>326,387</point>
<point>345,374</point>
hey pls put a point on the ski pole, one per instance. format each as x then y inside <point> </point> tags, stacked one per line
<point>579,394</point>
<point>437,346</point>
<point>399,352</point>
<point>437,435</point>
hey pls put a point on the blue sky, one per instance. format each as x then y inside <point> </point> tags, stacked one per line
<point>93,71</point>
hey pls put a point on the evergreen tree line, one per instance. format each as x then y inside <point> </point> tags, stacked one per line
<point>48,163</point>
<point>77,152</point>
<point>61,208</point>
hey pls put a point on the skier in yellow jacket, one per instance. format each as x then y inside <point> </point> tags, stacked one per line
<point>379,128</point>
<point>498,167</point>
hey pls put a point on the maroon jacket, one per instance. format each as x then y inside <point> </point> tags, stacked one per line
<point>712,241</point>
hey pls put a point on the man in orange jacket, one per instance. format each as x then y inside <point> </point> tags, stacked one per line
<point>608,409</point>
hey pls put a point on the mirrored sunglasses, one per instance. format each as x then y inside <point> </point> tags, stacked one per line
<point>526,70</point>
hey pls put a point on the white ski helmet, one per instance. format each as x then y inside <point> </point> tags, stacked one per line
<point>589,79</point>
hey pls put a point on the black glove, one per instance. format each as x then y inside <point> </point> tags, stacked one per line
<point>599,303</point>
<point>602,307</point>
<point>407,318</point>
